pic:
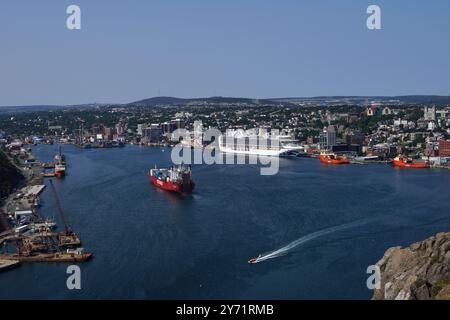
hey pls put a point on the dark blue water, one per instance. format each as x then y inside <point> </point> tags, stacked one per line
<point>152,244</point>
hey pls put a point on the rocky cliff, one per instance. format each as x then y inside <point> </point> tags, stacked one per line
<point>419,272</point>
<point>10,176</point>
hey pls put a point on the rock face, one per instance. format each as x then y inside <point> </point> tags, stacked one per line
<point>10,176</point>
<point>419,272</point>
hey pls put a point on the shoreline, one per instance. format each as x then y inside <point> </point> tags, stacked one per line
<point>21,230</point>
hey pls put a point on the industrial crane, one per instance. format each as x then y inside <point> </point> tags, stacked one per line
<point>68,238</point>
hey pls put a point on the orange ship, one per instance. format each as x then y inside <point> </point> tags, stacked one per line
<point>404,162</point>
<point>332,158</point>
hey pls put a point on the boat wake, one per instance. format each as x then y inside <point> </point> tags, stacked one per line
<point>285,250</point>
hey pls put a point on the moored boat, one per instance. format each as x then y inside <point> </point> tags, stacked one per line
<point>332,158</point>
<point>60,170</point>
<point>60,164</point>
<point>254,142</point>
<point>405,162</point>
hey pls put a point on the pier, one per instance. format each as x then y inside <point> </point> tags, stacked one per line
<point>6,265</point>
<point>15,259</point>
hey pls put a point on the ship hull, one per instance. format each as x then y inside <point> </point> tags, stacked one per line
<point>172,187</point>
<point>254,152</point>
<point>326,160</point>
<point>60,174</point>
<point>49,257</point>
<point>402,164</point>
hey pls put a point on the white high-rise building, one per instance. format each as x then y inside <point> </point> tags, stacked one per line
<point>327,137</point>
<point>331,136</point>
<point>429,113</point>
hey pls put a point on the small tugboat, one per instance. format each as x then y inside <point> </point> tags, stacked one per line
<point>175,179</point>
<point>405,162</point>
<point>332,158</point>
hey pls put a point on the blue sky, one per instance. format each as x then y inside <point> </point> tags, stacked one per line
<point>129,50</point>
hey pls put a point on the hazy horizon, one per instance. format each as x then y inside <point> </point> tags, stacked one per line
<point>240,97</point>
<point>128,51</point>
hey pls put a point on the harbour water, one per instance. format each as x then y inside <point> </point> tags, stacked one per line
<point>330,223</point>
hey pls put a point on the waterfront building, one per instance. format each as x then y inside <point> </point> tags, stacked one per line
<point>153,133</point>
<point>432,149</point>
<point>120,128</point>
<point>327,137</point>
<point>178,124</point>
<point>140,128</point>
<point>323,140</point>
<point>331,136</point>
<point>355,137</point>
<point>109,133</point>
<point>444,148</point>
<point>166,128</point>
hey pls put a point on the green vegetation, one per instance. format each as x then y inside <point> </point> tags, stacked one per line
<point>441,284</point>
<point>365,124</point>
<point>438,287</point>
<point>414,114</point>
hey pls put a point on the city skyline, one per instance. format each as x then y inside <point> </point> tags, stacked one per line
<point>125,53</point>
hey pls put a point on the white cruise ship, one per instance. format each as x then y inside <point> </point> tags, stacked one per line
<point>254,143</point>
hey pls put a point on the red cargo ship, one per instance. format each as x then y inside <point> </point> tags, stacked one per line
<point>174,179</point>
<point>404,162</point>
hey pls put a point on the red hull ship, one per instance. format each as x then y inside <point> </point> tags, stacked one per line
<point>60,164</point>
<point>404,162</point>
<point>177,180</point>
<point>331,158</point>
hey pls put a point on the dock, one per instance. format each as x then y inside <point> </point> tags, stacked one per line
<point>49,175</point>
<point>14,259</point>
<point>8,264</point>
<point>34,191</point>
